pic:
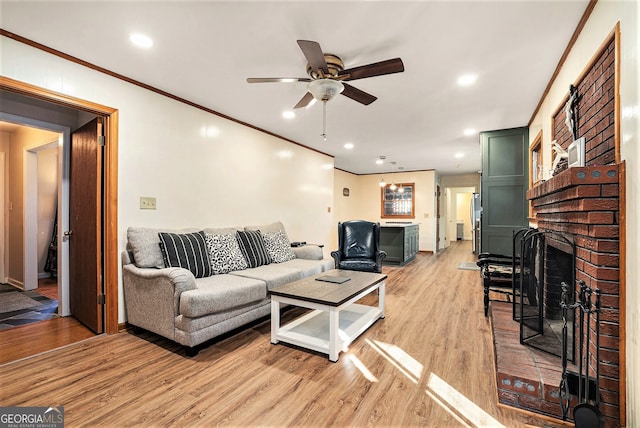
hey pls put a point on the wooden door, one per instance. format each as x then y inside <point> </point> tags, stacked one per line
<point>505,180</point>
<point>85,224</point>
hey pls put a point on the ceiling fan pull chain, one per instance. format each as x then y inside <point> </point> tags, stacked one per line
<point>324,120</point>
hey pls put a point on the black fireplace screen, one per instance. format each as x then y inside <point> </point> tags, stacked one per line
<point>547,259</point>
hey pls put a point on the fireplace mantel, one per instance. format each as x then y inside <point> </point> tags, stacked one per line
<point>573,177</point>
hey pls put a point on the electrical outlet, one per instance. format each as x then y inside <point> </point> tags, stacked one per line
<point>426,215</point>
<point>147,203</point>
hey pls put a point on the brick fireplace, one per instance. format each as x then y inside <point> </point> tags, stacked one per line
<point>584,203</point>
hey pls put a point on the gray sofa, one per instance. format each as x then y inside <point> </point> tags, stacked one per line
<point>174,303</point>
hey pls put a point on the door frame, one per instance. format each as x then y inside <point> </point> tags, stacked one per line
<point>110,195</point>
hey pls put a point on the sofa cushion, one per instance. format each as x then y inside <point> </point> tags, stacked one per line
<point>187,250</point>
<point>198,329</point>
<point>221,293</point>
<point>278,246</point>
<point>274,274</point>
<point>309,267</point>
<point>308,252</point>
<point>224,253</point>
<point>252,247</point>
<point>145,245</point>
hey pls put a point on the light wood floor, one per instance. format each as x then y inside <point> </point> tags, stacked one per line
<point>32,339</point>
<point>428,363</point>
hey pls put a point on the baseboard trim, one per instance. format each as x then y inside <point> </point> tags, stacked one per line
<point>15,283</point>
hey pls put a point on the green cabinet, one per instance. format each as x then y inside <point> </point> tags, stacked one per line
<point>505,179</point>
<point>400,241</point>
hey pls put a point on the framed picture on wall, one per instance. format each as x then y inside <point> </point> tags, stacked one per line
<point>397,201</point>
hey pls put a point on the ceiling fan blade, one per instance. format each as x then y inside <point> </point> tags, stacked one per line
<point>314,55</point>
<point>304,101</point>
<point>277,79</point>
<point>358,95</point>
<point>389,66</point>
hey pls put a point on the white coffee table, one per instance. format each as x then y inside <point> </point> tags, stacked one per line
<point>336,320</point>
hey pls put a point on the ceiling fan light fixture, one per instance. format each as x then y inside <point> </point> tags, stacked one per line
<point>325,89</point>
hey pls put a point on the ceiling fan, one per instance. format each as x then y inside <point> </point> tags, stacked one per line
<point>327,75</point>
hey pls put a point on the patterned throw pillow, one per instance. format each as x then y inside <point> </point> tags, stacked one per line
<point>252,247</point>
<point>188,250</point>
<point>278,246</point>
<point>224,253</point>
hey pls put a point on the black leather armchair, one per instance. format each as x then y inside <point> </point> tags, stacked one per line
<point>359,246</point>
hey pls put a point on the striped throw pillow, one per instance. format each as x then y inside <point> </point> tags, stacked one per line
<point>188,251</point>
<point>252,247</point>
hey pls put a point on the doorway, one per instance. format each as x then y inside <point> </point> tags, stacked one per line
<point>78,266</point>
<point>108,267</point>
<point>31,193</point>
<point>458,214</point>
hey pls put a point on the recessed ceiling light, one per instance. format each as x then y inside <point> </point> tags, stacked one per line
<point>459,155</point>
<point>288,114</point>
<point>348,146</point>
<point>467,79</point>
<point>380,160</point>
<point>470,131</point>
<point>141,40</point>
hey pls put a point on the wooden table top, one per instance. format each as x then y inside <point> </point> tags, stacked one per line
<point>328,293</point>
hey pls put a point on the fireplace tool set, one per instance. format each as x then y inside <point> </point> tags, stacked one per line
<point>587,413</point>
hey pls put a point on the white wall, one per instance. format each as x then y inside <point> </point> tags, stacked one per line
<point>364,200</point>
<point>168,150</point>
<point>605,16</point>
<point>346,207</point>
<point>47,203</point>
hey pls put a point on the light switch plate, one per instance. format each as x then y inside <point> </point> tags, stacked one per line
<point>147,203</point>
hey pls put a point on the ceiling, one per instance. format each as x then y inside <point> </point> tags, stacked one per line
<point>203,52</point>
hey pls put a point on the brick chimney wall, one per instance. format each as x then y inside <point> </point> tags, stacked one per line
<point>595,111</point>
<point>583,202</point>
